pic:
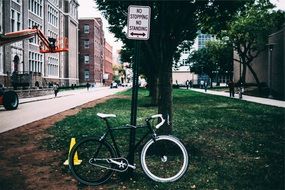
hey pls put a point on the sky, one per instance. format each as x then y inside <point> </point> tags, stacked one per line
<point>279,3</point>
<point>88,8</point>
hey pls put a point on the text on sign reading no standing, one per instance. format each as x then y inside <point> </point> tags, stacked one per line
<point>138,22</point>
<point>140,17</point>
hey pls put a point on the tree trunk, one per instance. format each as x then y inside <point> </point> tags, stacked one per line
<point>165,72</point>
<point>243,74</point>
<point>255,76</point>
<point>165,99</point>
<point>153,90</point>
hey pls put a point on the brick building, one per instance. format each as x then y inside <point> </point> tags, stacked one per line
<point>108,63</point>
<point>91,50</point>
<point>56,18</point>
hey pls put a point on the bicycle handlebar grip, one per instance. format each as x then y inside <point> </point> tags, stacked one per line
<point>162,120</point>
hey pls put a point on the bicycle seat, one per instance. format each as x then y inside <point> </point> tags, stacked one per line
<point>103,116</point>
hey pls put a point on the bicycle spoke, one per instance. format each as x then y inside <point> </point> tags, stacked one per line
<point>164,160</point>
<point>92,153</point>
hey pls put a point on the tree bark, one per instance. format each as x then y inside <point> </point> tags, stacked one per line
<point>153,90</point>
<point>165,99</point>
<point>243,62</point>
<point>254,76</point>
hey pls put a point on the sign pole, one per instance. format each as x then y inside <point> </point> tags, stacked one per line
<point>138,28</point>
<point>134,103</point>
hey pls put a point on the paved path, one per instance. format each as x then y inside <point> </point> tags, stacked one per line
<point>33,109</point>
<point>265,101</point>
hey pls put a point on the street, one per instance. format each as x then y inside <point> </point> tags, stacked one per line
<point>33,109</point>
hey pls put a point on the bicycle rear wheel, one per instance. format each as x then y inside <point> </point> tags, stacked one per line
<point>164,159</point>
<point>94,168</point>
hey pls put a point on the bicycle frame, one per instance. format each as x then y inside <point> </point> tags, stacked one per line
<point>102,158</point>
<point>111,129</point>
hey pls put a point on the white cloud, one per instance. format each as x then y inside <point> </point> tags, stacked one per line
<point>280,4</point>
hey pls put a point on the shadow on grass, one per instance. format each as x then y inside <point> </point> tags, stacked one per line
<point>232,144</point>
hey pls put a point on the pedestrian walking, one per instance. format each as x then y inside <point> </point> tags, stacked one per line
<point>206,86</point>
<point>190,84</point>
<point>88,86</point>
<point>187,84</point>
<point>55,88</point>
<point>231,85</point>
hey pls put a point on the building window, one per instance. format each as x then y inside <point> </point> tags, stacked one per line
<point>13,20</point>
<point>86,59</point>
<point>185,63</point>
<point>35,39</point>
<point>18,21</point>
<point>17,1</point>
<point>86,44</point>
<point>52,66</point>
<point>36,7</point>
<point>52,16</point>
<point>86,74</point>
<point>186,51</point>
<point>35,62</point>
<point>86,28</point>
<point>52,34</point>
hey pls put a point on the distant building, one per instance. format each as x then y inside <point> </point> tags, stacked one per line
<point>91,50</point>
<point>202,39</point>
<point>57,19</point>
<point>181,71</point>
<point>108,63</point>
<point>70,70</point>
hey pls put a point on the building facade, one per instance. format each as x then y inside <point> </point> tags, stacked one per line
<point>269,65</point>
<point>181,71</point>
<point>70,69</point>
<point>91,50</point>
<point>108,63</point>
<point>55,18</point>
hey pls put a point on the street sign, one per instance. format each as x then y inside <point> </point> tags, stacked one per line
<point>138,22</point>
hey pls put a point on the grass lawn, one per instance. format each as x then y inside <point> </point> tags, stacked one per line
<point>232,144</point>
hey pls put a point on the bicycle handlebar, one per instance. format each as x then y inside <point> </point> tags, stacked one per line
<point>162,120</point>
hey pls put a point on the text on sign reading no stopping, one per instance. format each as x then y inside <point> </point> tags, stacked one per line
<point>138,22</point>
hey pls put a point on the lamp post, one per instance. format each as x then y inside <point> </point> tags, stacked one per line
<point>270,51</point>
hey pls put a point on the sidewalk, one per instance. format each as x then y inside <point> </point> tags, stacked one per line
<point>65,93</point>
<point>37,108</point>
<point>60,94</point>
<point>259,100</point>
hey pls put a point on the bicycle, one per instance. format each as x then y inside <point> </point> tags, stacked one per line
<point>163,157</point>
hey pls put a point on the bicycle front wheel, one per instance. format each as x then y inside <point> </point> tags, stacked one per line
<point>164,159</point>
<point>90,164</point>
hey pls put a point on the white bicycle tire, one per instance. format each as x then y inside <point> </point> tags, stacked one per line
<point>181,172</point>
